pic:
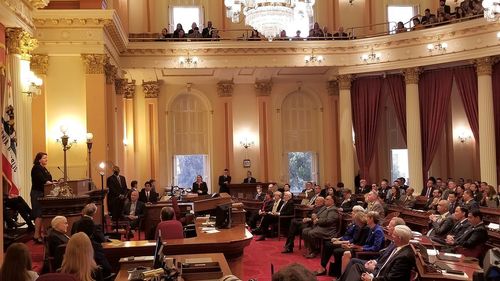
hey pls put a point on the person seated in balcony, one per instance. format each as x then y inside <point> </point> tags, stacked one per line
<point>147,194</point>
<point>297,35</point>
<point>340,34</point>
<point>195,34</point>
<point>426,17</point>
<point>416,24</point>
<point>280,208</point>
<point>443,7</point>
<point>133,212</point>
<point>459,13</point>
<point>164,34</point>
<point>326,34</point>
<point>400,27</point>
<point>207,31</point>
<point>193,28</point>
<point>282,35</point>
<point>255,36</point>
<point>317,32</point>
<point>199,186</point>
<point>179,32</point>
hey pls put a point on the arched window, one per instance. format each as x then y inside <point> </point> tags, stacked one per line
<point>189,134</point>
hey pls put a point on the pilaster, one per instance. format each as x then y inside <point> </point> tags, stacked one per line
<point>345,123</point>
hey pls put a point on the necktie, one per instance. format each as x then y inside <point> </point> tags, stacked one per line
<point>119,181</point>
<point>275,206</point>
<point>428,192</point>
<point>147,195</point>
<point>282,205</point>
<point>386,261</point>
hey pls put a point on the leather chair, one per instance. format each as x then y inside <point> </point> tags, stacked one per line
<point>171,229</point>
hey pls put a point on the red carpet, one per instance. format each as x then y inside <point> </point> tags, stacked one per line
<point>260,254</point>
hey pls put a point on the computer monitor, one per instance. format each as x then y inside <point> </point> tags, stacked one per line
<point>223,216</point>
<point>158,254</point>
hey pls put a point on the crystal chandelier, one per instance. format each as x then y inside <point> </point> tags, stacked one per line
<point>269,17</point>
<point>491,10</point>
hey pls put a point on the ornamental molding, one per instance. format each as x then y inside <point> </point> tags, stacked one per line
<point>39,4</point>
<point>412,75</point>
<point>20,42</point>
<point>39,64</point>
<point>151,89</point>
<point>225,88</point>
<point>19,13</point>
<point>263,87</point>
<point>484,66</point>
<point>333,88</point>
<point>344,82</point>
<point>111,73</point>
<point>94,63</point>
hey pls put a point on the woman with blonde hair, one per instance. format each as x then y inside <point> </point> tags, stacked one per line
<point>79,259</point>
<point>17,264</point>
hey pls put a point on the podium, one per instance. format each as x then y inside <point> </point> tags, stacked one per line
<point>79,187</point>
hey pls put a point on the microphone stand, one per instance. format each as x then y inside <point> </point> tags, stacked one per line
<point>102,202</point>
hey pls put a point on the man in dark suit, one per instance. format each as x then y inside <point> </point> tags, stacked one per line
<point>434,200</point>
<point>285,207</point>
<point>117,192</point>
<point>207,31</point>
<point>429,187</point>
<point>441,223</point>
<point>133,211</point>
<point>348,203</point>
<point>473,237</point>
<point>224,181</point>
<point>363,187</point>
<point>444,8</point>
<point>249,178</point>
<point>460,226</point>
<point>397,266</point>
<point>266,207</point>
<point>147,194</point>
<point>452,200</point>
<point>469,202</point>
<point>324,226</point>
<point>259,195</point>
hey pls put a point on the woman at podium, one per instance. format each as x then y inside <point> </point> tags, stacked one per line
<point>40,176</point>
<point>199,186</point>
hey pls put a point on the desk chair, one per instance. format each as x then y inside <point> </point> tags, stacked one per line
<point>122,226</point>
<point>171,229</point>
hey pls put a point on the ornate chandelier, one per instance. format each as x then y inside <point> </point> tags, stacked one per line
<point>491,10</point>
<point>269,17</point>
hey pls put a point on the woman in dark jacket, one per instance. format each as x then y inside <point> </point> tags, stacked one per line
<point>39,177</point>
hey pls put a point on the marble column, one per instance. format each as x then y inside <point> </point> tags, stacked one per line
<point>346,143</point>
<point>487,148</point>
<point>151,91</point>
<point>225,91</point>
<point>263,91</point>
<point>413,130</point>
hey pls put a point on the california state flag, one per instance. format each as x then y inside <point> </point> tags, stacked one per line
<point>10,170</point>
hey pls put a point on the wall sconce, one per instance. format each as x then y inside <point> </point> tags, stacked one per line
<point>188,61</point>
<point>313,58</point>
<point>90,136</point>
<point>246,143</point>
<point>438,47</point>
<point>30,83</point>
<point>372,57</point>
<point>66,146</point>
<point>464,136</point>
<point>498,35</point>
<point>351,2</point>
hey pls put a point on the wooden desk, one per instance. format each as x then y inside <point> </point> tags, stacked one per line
<point>416,220</point>
<point>246,190</point>
<point>231,242</point>
<point>123,273</point>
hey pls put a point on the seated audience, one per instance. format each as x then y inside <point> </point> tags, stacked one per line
<point>17,264</point>
<point>356,234</point>
<point>298,224</point>
<point>374,205</point>
<point>199,186</point>
<point>348,203</point>
<point>473,238</point>
<point>249,178</point>
<point>194,26</point>
<point>195,34</point>
<point>326,34</point>
<point>169,228</point>
<point>280,207</point>
<point>384,190</point>
<point>207,31</point>
<point>147,194</point>
<point>293,272</point>
<point>316,194</point>
<point>384,253</point>
<point>460,226</point>
<point>434,200</point>
<point>394,196</point>
<point>164,34</point>
<point>416,24</point>
<point>400,27</point>
<point>396,266</point>
<point>316,31</point>
<point>259,195</point>
<point>468,201</point>
<point>56,236</point>
<point>490,198</point>
<point>429,187</point>
<point>87,219</point>
<point>426,17</point>
<point>255,36</point>
<point>16,203</point>
<point>451,187</point>
<point>452,201</point>
<point>443,7</point>
<point>133,212</point>
<point>409,200</point>
<point>324,226</point>
<point>363,187</point>
<point>476,193</point>
<point>308,193</point>
<point>266,207</point>
<point>79,259</point>
<point>178,32</point>
<point>441,223</point>
<point>297,35</point>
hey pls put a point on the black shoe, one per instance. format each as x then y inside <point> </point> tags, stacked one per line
<point>319,272</point>
<point>31,228</point>
<point>287,251</point>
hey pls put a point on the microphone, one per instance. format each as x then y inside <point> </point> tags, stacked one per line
<point>59,168</point>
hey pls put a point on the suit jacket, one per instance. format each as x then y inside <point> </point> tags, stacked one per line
<point>347,205</point>
<point>116,187</point>
<point>408,202</point>
<point>54,240</point>
<point>473,236</point>
<point>328,220</point>
<point>139,209</point>
<point>361,190</point>
<point>153,196</point>
<point>459,228</point>
<point>375,240</point>
<point>424,191</point>
<point>441,228</point>
<point>222,186</point>
<point>452,207</point>
<point>376,207</point>
<point>251,180</point>
<point>203,187</point>
<point>267,206</point>
<point>86,224</point>
<point>471,205</point>
<point>398,266</point>
<point>286,208</point>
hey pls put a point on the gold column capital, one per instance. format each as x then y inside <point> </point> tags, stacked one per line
<point>333,88</point>
<point>225,88</point>
<point>263,87</point>
<point>129,90</point>
<point>39,4</point>
<point>39,63</point>
<point>20,42</point>
<point>151,88</point>
<point>484,65</point>
<point>412,75</point>
<point>94,63</point>
<point>344,81</point>
<point>111,73</point>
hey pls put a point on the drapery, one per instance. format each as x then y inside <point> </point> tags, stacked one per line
<point>396,87</point>
<point>466,80</point>
<point>434,89</point>
<point>366,93</point>
<point>495,78</point>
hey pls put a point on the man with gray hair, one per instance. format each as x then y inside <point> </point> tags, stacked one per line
<point>285,207</point>
<point>374,204</point>
<point>86,224</point>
